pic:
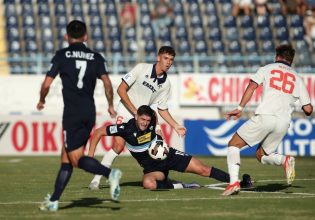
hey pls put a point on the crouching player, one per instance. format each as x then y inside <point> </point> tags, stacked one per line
<point>139,133</point>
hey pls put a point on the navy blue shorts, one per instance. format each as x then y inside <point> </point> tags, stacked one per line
<point>77,129</point>
<point>176,160</point>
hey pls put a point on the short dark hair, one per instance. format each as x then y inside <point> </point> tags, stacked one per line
<point>76,29</point>
<point>168,50</point>
<point>147,110</point>
<point>286,51</point>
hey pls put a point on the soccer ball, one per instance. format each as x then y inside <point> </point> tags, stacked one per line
<point>158,150</point>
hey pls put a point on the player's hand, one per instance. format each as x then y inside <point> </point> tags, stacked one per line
<point>180,130</point>
<point>235,114</point>
<point>112,112</point>
<point>40,105</point>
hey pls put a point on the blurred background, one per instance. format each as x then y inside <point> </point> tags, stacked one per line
<point>219,43</point>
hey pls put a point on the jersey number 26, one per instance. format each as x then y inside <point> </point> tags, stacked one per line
<point>282,81</point>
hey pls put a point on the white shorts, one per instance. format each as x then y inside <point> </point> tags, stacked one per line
<point>266,130</point>
<point>123,114</point>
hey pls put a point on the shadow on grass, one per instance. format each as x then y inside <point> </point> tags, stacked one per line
<point>91,203</point>
<point>274,187</point>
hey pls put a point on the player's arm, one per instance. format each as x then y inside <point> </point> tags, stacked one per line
<point>122,92</point>
<point>109,94</point>
<point>307,109</point>
<point>236,113</point>
<point>44,91</point>
<point>98,134</point>
<point>180,130</point>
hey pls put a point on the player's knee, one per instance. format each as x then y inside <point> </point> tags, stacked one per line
<point>204,171</point>
<point>149,184</point>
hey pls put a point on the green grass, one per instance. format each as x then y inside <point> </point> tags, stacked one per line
<point>25,181</point>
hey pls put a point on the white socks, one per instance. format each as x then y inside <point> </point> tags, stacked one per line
<point>107,161</point>
<point>234,162</point>
<point>273,159</point>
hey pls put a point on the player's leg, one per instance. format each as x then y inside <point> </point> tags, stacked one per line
<point>62,179</point>
<point>197,167</point>
<point>154,180</point>
<point>108,159</point>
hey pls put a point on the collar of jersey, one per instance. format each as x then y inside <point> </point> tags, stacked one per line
<point>77,44</point>
<point>154,76</point>
<point>285,63</point>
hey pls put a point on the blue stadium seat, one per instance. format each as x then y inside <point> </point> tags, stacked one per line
<point>27,9</point>
<point>144,8</point>
<point>110,8</point>
<point>98,45</point>
<point>178,8</point>
<point>297,33</point>
<point>215,34</point>
<point>262,21</point>
<point>301,45</point>
<point>265,34</point>
<point>93,9</point>
<point>282,34</point>
<point>249,34</point>
<point>29,33</point>
<point>97,32</point>
<point>304,59</point>
<point>179,20</point>
<point>29,21</point>
<point>95,20</point>
<point>198,33</point>
<point>229,21</point>
<point>47,34</point>
<point>226,9</point>
<point>145,20</point>
<point>267,47</point>
<point>234,47</point>
<point>62,21</point>
<point>10,10</point>
<point>60,9</point>
<point>194,8</point>
<point>48,47</point>
<point>232,33</point>
<point>31,46</point>
<point>279,21</point>
<point>14,46</point>
<point>112,21</point>
<point>13,34</point>
<point>296,21</point>
<point>114,33</point>
<point>184,47</point>
<point>76,9</point>
<point>150,47</point>
<point>44,21</point>
<point>181,33</point>
<point>130,33</point>
<point>132,47</point>
<point>164,34</point>
<point>195,20</point>
<point>12,21</point>
<point>212,21</point>
<point>250,47</point>
<point>116,46</point>
<point>147,33</point>
<point>43,9</point>
<point>210,8</point>
<point>201,47</point>
<point>217,47</point>
<point>246,21</point>
<point>61,33</point>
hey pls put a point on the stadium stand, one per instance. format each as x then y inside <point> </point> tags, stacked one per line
<point>201,28</point>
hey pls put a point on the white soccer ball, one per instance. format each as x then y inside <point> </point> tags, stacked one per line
<point>158,150</point>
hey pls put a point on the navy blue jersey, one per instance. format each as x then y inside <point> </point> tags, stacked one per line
<point>79,67</point>
<point>137,140</point>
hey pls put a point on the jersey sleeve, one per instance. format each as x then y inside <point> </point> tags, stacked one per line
<point>132,75</point>
<point>116,130</point>
<point>258,77</point>
<point>54,66</point>
<point>304,97</point>
<point>102,65</point>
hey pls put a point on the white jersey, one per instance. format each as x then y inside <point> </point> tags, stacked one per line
<point>282,87</point>
<point>145,88</point>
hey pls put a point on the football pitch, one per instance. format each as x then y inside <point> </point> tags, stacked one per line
<point>25,181</point>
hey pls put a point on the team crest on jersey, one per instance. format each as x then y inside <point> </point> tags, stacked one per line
<point>113,129</point>
<point>144,138</point>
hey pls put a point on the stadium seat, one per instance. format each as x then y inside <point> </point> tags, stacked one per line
<point>61,33</point>
<point>226,9</point>
<point>14,46</point>
<point>198,33</point>
<point>212,21</point>
<point>95,20</point>
<point>93,9</point>
<point>98,45</point>
<point>179,20</point>
<point>112,21</point>
<point>145,20</point>
<point>229,21</point>
<point>297,33</point>
<point>250,47</point>
<point>27,9</point>
<point>10,10</point>
<point>150,47</point>
<point>29,21</point>
<point>181,33</point>
<point>217,47</point>
<point>116,47</point>
<point>147,33</point>
<point>164,34</point>
<point>210,8</point>
<point>232,34</point>
<point>48,47</point>
<point>195,21</point>
<point>249,34</point>
<point>178,8</point>
<point>12,21</point>
<point>60,9</point>
<point>43,9</point>
<point>130,33</point>
<point>13,34</point>
<point>97,32</point>
<point>267,47</point>
<point>246,21</point>
<point>262,21</point>
<point>215,34</point>
<point>29,34</point>
<point>279,21</point>
<point>265,34</point>
<point>44,21</point>
<point>31,46</point>
<point>282,34</point>
<point>183,48</point>
<point>201,48</point>
<point>62,21</point>
<point>296,21</point>
<point>234,47</point>
<point>76,9</point>
<point>47,34</point>
<point>301,45</point>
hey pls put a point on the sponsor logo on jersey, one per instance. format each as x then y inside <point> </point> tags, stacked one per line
<point>113,129</point>
<point>144,138</point>
<point>148,85</point>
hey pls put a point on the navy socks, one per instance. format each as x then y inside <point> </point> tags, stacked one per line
<point>219,175</point>
<point>62,180</point>
<point>91,165</point>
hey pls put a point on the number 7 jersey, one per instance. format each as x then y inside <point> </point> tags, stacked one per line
<point>282,87</point>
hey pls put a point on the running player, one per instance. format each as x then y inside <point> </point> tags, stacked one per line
<point>282,88</point>
<point>145,84</point>
<point>79,67</point>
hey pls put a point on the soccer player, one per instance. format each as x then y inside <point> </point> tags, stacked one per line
<point>79,67</point>
<point>139,133</point>
<point>145,84</point>
<point>282,88</point>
